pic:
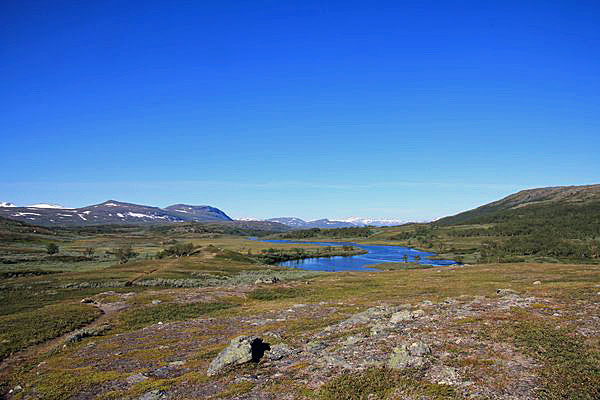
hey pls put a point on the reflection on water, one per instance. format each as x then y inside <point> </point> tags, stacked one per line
<point>375,255</point>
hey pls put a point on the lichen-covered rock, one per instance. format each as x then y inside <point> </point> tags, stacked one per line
<point>419,349</point>
<point>406,315</point>
<point>136,378</point>
<point>504,292</point>
<point>279,351</point>
<point>409,356</point>
<point>153,395</point>
<point>444,375</point>
<point>241,349</point>
<point>315,346</point>
<point>87,332</point>
<point>268,280</point>
<point>400,316</point>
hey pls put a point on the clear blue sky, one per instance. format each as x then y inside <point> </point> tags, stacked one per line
<point>409,109</point>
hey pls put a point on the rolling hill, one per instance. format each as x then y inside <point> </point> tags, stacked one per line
<point>527,202</point>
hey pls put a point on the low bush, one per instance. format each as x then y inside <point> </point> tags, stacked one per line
<point>24,329</point>
<point>166,312</point>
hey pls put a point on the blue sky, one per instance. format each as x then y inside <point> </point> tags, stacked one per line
<point>410,109</point>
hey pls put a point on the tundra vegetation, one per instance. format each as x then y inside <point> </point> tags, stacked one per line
<point>517,320</point>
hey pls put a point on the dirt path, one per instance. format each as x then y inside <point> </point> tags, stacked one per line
<point>29,354</point>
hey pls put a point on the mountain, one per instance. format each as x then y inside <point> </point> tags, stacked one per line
<point>360,221</point>
<point>203,213</point>
<point>556,201</point>
<point>290,221</point>
<point>112,212</point>
<point>327,223</point>
<point>6,204</point>
<point>298,223</point>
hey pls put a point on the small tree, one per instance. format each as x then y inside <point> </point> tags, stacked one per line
<point>405,257</point>
<point>52,248</point>
<point>123,254</point>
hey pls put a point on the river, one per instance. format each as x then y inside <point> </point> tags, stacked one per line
<point>377,254</point>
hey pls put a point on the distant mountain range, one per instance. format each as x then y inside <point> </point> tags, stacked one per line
<point>327,223</point>
<point>116,212</point>
<point>110,212</point>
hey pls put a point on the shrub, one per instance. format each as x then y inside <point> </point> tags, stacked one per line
<point>123,254</point>
<point>52,248</point>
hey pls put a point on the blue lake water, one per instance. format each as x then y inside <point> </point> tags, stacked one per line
<point>376,255</point>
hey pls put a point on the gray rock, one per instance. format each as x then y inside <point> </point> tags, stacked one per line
<point>267,281</point>
<point>369,315</point>
<point>504,292</point>
<point>87,300</point>
<point>87,332</point>
<point>162,372</point>
<point>241,349</point>
<point>352,340</point>
<point>401,358</point>
<point>136,378</point>
<point>156,301</point>
<point>444,375</point>
<point>16,389</point>
<point>279,351</point>
<point>153,395</point>
<point>406,315</point>
<point>400,316</point>
<point>409,356</point>
<point>380,328</point>
<point>315,346</point>
<point>419,349</point>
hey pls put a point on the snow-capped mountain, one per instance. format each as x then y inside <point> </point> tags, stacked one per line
<point>364,221</point>
<point>337,223</point>
<point>111,212</point>
<point>6,204</point>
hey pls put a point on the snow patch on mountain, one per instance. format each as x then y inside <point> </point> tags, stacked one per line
<point>363,221</point>
<point>45,205</point>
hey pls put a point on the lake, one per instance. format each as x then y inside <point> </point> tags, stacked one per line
<point>376,255</point>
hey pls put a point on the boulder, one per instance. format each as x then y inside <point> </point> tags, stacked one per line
<point>267,281</point>
<point>504,292</point>
<point>537,283</point>
<point>241,349</point>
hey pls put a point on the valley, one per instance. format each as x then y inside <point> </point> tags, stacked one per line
<point>144,310</point>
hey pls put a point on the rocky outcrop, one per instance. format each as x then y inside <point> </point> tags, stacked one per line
<point>409,356</point>
<point>87,332</point>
